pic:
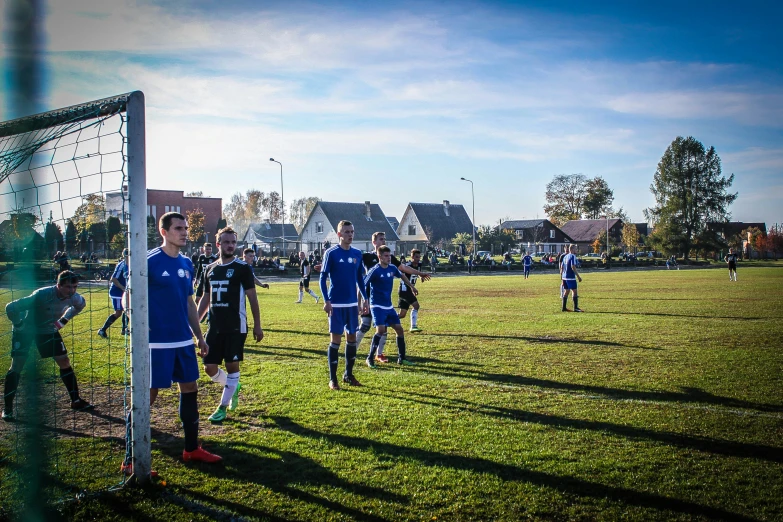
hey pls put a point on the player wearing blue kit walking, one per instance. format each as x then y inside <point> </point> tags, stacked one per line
<point>569,275</point>
<point>527,261</point>
<point>380,279</point>
<point>119,280</point>
<point>173,321</point>
<point>342,266</point>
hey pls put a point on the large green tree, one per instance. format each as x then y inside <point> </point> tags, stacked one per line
<point>691,193</point>
<point>565,197</point>
<point>598,197</point>
<point>300,210</point>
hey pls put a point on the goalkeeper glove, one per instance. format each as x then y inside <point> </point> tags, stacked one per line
<point>60,323</point>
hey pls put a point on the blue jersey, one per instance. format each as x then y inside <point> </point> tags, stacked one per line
<point>344,270</point>
<point>568,264</point>
<point>381,282</point>
<point>121,275</point>
<point>527,260</point>
<point>170,288</point>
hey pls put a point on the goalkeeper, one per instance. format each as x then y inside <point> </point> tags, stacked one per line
<point>39,317</point>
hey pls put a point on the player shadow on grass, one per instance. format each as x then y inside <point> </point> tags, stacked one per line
<point>704,444</point>
<point>661,314</point>
<point>547,340</point>
<point>564,484</point>
<point>688,395</point>
<point>280,351</point>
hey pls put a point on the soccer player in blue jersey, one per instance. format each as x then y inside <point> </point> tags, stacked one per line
<point>342,266</point>
<point>380,279</point>
<point>527,262</point>
<point>119,280</point>
<point>173,321</point>
<point>569,275</point>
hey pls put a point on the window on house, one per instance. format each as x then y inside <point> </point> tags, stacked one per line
<point>319,227</point>
<point>152,211</point>
<point>551,234</point>
<point>178,209</point>
<point>411,230</point>
<point>168,208</point>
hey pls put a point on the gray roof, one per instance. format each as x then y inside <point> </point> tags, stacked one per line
<point>393,221</point>
<point>432,217</point>
<point>355,213</point>
<point>268,232</point>
<point>585,230</point>
<point>521,224</point>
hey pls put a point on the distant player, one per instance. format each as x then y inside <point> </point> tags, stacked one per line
<point>569,275</point>
<point>39,318</point>
<point>249,255</point>
<point>207,258</point>
<point>342,267</point>
<point>227,282</point>
<point>119,280</point>
<point>173,322</point>
<point>304,282</point>
<point>380,280</point>
<point>527,262</point>
<point>406,297</point>
<point>731,261</point>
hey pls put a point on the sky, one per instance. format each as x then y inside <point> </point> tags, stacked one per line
<point>394,102</point>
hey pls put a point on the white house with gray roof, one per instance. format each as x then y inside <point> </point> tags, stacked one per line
<point>433,224</point>
<point>367,218</point>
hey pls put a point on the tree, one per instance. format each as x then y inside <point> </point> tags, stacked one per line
<point>775,240</point>
<point>113,226</point>
<point>91,211</point>
<point>463,238</point>
<point>152,232</point>
<point>195,194</point>
<point>690,192</point>
<point>53,236</point>
<point>565,196</point>
<point>488,238</point>
<point>300,210</point>
<point>272,206</point>
<point>598,196</point>
<point>630,236</point>
<point>196,220</point>
<point>70,236</point>
<point>752,235</point>
<point>221,224</point>
<point>120,240</point>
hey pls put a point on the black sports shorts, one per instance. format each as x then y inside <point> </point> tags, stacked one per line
<point>228,346</point>
<point>406,300</point>
<point>304,282</point>
<point>49,344</point>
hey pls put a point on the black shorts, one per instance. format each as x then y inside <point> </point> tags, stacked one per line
<point>49,345</point>
<point>304,282</point>
<point>229,346</point>
<point>406,300</point>
<point>733,266</point>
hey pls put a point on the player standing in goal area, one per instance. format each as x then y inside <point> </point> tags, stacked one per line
<point>227,282</point>
<point>39,318</point>
<point>406,297</point>
<point>342,266</point>
<point>569,275</point>
<point>119,280</point>
<point>380,279</point>
<point>304,282</point>
<point>173,321</point>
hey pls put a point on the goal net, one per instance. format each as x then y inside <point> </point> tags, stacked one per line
<point>72,196</point>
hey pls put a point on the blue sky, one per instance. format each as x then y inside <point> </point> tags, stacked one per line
<point>394,102</point>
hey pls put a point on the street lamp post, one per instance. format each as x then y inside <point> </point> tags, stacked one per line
<point>282,204</point>
<point>473,198</point>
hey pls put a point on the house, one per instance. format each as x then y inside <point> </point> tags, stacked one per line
<point>19,239</point>
<point>320,229</point>
<point>537,235</point>
<point>733,229</point>
<point>268,237</point>
<point>393,221</point>
<point>432,224</point>
<point>585,231</point>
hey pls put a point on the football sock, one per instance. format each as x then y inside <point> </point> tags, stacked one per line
<point>350,357</point>
<point>188,414</point>
<point>376,340</point>
<point>576,302</point>
<point>220,377</point>
<point>109,321</point>
<point>565,301</point>
<point>9,389</point>
<point>124,321</point>
<point>312,294</point>
<point>382,344</point>
<point>400,348</point>
<point>365,327</point>
<point>232,381</point>
<point>414,318</point>
<point>301,294</point>
<point>69,379</point>
<point>332,355</point>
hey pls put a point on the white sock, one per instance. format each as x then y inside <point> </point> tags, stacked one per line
<point>301,294</point>
<point>414,318</point>
<point>381,344</point>
<point>312,293</point>
<point>360,334</point>
<point>220,377</point>
<point>232,381</point>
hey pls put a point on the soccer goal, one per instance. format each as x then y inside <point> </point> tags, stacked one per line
<point>73,196</point>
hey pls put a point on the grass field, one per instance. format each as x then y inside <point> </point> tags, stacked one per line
<point>663,401</point>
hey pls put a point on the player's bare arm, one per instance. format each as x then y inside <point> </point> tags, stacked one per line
<point>408,284</point>
<point>412,271</point>
<point>203,305</point>
<point>117,283</point>
<point>259,283</point>
<point>195,326</point>
<point>258,332</point>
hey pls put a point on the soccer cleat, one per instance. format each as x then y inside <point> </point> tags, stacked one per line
<point>381,359</point>
<point>566,309</point>
<point>127,469</point>
<point>317,299</point>
<point>200,455</point>
<point>233,404</point>
<point>405,362</point>
<point>81,405</point>
<point>124,332</point>
<point>333,385</point>
<point>102,333</point>
<point>8,416</point>
<point>218,416</point>
<point>297,302</point>
<point>350,379</point>
<point>578,310</point>
<point>370,364</point>
<point>415,329</point>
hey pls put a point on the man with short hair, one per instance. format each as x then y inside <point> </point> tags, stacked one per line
<point>527,262</point>
<point>173,321</point>
<point>207,258</point>
<point>119,281</point>
<point>304,282</point>
<point>227,282</point>
<point>569,275</point>
<point>342,266</point>
<point>39,318</point>
<point>407,293</point>
<point>731,261</point>
<point>249,256</point>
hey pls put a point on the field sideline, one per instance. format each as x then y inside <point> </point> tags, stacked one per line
<point>663,401</point>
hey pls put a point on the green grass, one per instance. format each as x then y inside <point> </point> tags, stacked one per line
<point>662,402</point>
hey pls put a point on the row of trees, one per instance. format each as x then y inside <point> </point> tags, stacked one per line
<point>254,206</point>
<point>575,196</point>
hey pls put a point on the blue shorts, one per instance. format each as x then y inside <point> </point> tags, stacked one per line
<point>569,284</point>
<point>344,320</point>
<point>169,365</point>
<point>116,302</point>
<point>384,317</point>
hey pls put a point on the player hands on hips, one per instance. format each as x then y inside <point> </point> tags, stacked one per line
<point>227,282</point>
<point>342,267</point>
